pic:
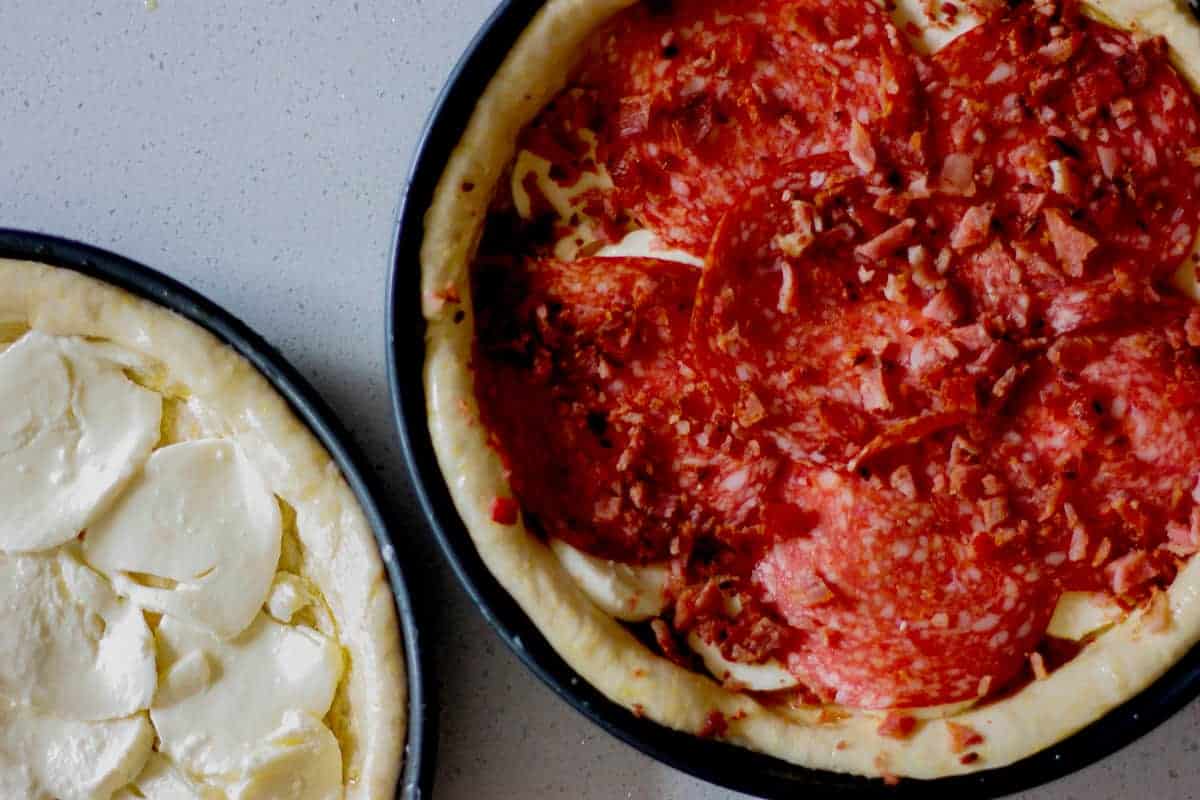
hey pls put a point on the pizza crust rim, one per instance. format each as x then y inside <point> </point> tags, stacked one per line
<point>342,556</point>
<point>1119,664</point>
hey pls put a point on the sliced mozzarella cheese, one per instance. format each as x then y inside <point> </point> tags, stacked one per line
<point>626,592</point>
<point>643,243</point>
<point>196,537</point>
<point>300,761</point>
<point>73,432</point>
<point>44,758</point>
<point>567,201</point>
<point>770,676</point>
<point>254,680</point>
<point>1081,613</point>
<point>289,596</point>
<point>69,646</point>
<point>930,35</point>
<point>162,780</point>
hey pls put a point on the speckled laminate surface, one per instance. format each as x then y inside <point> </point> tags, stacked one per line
<point>256,151</point>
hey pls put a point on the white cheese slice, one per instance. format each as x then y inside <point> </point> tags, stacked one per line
<point>201,525</point>
<point>644,243</point>
<point>255,680</point>
<point>631,593</point>
<point>162,780</point>
<point>930,35</point>
<point>69,646</point>
<point>1079,614</point>
<point>73,432</point>
<point>300,761</point>
<point>769,676</point>
<point>44,758</point>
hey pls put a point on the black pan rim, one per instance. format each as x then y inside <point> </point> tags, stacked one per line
<point>420,739</point>
<point>724,764</point>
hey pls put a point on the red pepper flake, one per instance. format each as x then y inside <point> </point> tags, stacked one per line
<point>969,758</point>
<point>715,725</point>
<point>897,725</point>
<point>639,710</point>
<point>842,744</point>
<point>504,510</point>
<point>962,737</point>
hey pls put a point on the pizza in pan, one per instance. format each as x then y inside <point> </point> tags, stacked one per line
<point>821,376</point>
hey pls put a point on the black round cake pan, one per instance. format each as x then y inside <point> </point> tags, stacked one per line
<point>717,762</point>
<point>417,776</point>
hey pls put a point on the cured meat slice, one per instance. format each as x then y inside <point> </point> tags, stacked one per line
<point>703,99</point>
<point>899,608</point>
<point>811,323</point>
<point>1081,140</point>
<point>582,377</point>
<point>1101,453</point>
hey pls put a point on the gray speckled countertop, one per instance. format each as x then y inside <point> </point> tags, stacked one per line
<point>256,151</point>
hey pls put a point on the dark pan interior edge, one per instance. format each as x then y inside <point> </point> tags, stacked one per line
<point>421,740</point>
<point>716,762</point>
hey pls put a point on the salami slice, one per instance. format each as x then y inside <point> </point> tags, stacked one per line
<point>702,99</point>
<point>897,607</point>
<point>582,380</point>
<point>1101,452</point>
<point>1076,147</point>
<point>811,323</point>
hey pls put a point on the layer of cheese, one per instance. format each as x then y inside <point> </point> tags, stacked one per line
<point>221,699</point>
<point>162,780</point>
<point>69,646</point>
<point>628,592</point>
<point>200,524</point>
<point>44,758</point>
<point>73,432</point>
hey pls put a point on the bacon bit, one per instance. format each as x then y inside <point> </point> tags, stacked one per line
<point>995,511</point>
<point>1071,245</point>
<point>1184,540</point>
<point>750,409</point>
<point>874,391</point>
<point>787,289</point>
<point>1059,51</point>
<point>1110,160</point>
<point>639,710</point>
<point>973,228</point>
<point>1102,552</point>
<point>697,602</point>
<point>504,510</point>
<point>1004,385</point>
<point>1039,666</point>
<point>1130,571</point>
<point>962,737</point>
<point>1079,544</point>
<point>715,726</point>
<point>808,589</point>
<point>841,744</point>
<point>1157,616</point>
<point>1191,328</point>
<point>909,430</point>
<point>968,758</point>
<point>1029,204</point>
<point>888,242</point>
<point>803,233</point>
<point>972,337</point>
<point>1066,182</point>
<point>944,307</point>
<point>902,481</point>
<point>861,152</point>
<point>829,716</point>
<point>958,175</point>
<point>897,725</point>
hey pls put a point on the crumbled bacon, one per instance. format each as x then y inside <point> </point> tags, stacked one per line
<point>958,175</point>
<point>962,737</point>
<point>888,242</point>
<point>504,510</point>
<point>1071,245</point>
<point>973,228</point>
<point>1130,571</point>
<point>861,152</point>
<point>897,725</point>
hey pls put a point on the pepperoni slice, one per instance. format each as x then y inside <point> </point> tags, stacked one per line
<point>1100,449</point>
<point>582,381</point>
<point>1075,144</point>
<point>810,323</point>
<point>705,98</point>
<point>898,607</point>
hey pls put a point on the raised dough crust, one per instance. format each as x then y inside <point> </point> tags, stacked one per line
<point>341,556</point>
<point>1122,662</point>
